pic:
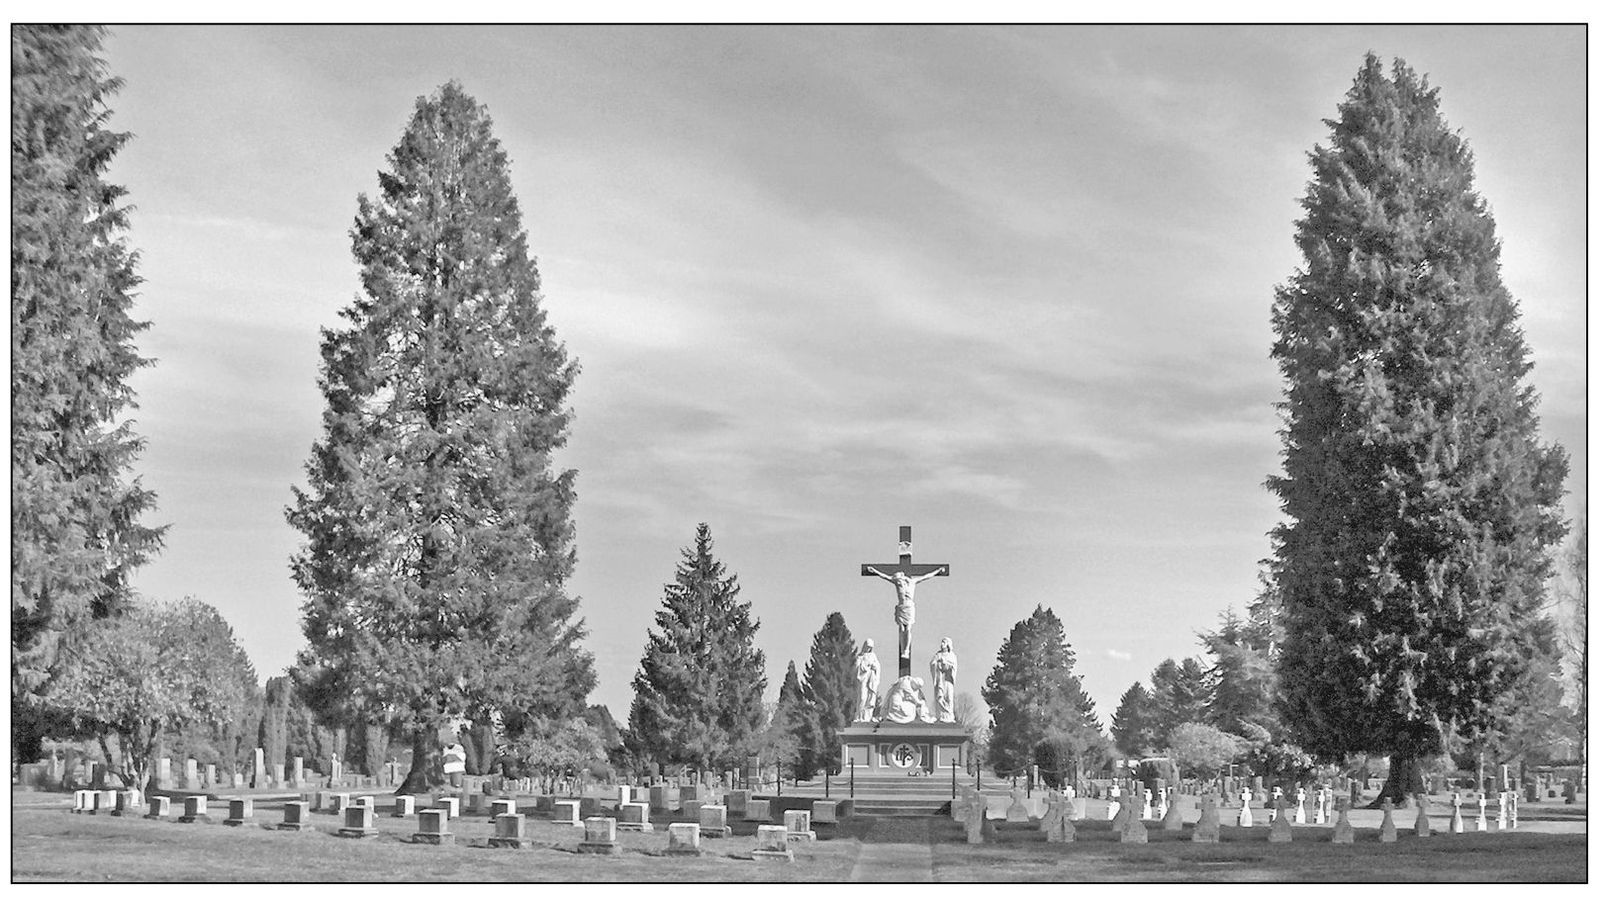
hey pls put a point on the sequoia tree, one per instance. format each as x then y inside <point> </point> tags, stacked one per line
<point>438,534</point>
<point>830,685</point>
<point>1420,505</point>
<point>75,509</point>
<point>699,689</point>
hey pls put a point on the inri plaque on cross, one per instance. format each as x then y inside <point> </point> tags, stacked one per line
<point>903,576</point>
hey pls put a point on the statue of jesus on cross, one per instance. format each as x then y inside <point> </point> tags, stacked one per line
<point>904,576</point>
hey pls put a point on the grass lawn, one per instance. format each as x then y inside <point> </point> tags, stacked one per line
<point>48,843</point>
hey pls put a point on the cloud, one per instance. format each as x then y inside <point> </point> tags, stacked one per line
<point>1117,654</point>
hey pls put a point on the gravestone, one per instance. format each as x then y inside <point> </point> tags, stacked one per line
<point>974,817</point>
<point>278,776</point>
<point>757,809</point>
<point>566,813</point>
<point>359,822</point>
<point>799,825</point>
<point>711,821</point>
<point>1513,803</point>
<point>1321,798</point>
<point>1423,825</point>
<point>1245,817</point>
<point>1134,830</point>
<point>633,817</point>
<point>772,844</point>
<point>1050,813</point>
<point>160,807</point>
<point>362,801</point>
<point>297,771</point>
<point>1281,826</point>
<point>684,838</point>
<point>106,801</point>
<point>1114,804</point>
<point>259,778</point>
<point>1122,815</point>
<point>240,812</point>
<point>824,811</point>
<point>509,831</point>
<point>1389,832</point>
<point>1274,806</point>
<point>297,816</point>
<point>195,809</point>
<point>451,805</point>
<point>1017,812</point>
<point>127,802</point>
<point>1456,823</point>
<point>624,794</point>
<point>1482,812</point>
<point>1208,826</point>
<point>336,803</point>
<point>192,774</point>
<point>404,806</point>
<point>1342,830</point>
<point>1298,812</point>
<point>434,828</point>
<point>658,798</point>
<point>736,800</point>
<point>164,773</point>
<point>1172,817</point>
<point>601,836</point>
<point>502,806</point>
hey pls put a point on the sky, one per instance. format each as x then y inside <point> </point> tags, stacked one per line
<point>1008,285</point>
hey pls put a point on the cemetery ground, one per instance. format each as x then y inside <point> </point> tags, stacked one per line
<point>49,843</point>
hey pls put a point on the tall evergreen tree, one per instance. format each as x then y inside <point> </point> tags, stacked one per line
<point>796,723</point>
<point>1033,693</point>
<point>699,689</point>
<point>831,688</point>
<point>1133,726</point>
<point>75,511</point>
<point>439,536</point>
<point>1420,505</point>
<point>1180,695</point>
<point>1243,679</point>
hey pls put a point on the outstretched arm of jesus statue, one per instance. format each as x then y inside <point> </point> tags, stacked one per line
<point>877,572</point>
<point>936,573</point>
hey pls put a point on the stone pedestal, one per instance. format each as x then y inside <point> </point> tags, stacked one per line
<point>566,813</point>
<point>903,748</point>
<point>240,811</point>
<point>633,818</point>
<point>711,821</point>
<point>195,809</point>
<point>773,845</point>
<point>359,822</point>
<point>684,839</point>
<point>509,831</point>
<point>297,816</point>
<point>601,836</point>
<point>160,807</point>
<point>799,826</point>
<point>434,828</point>
<point>404,806</point>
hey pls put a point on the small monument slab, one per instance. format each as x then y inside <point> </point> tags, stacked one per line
<point>1208,827</point>
<point>711,821</point>
<point>773,845</point>
<point>1342,830</point>
<point>160,807</point>
<point>633,817</point>
<point>240,812</point>
<point>566,813</point>
<point>509,831</point>
<point>297,816</point>
<point>601,836</point>
<point>684,839</point>
<point>1389,832</point>
<point>195,810</point>
<point>799,825</point>
<point>434,828</point>
<point>358,822</point>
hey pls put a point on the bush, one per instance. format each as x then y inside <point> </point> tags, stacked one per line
<point>1202,751</point>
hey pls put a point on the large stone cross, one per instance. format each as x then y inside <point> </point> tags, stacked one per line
<point>904,575</point>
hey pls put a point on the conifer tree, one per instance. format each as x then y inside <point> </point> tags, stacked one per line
<point>796,724</point>
<point>1033,693</point>
<point>1133,725</point>
<point>699,689</point>
<point>75,510</point>
<point>438,534</point>
<point>1420,505</point>
<point>1180,694</point>
<point>831,688</point>
<point>1242,676</point>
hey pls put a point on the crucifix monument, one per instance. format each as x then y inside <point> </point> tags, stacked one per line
<point>904,575</point>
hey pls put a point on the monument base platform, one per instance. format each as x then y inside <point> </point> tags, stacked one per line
<point>904,748</point>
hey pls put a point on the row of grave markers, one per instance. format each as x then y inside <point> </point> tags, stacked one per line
<point>1127,815</point>
<point>601,833</point>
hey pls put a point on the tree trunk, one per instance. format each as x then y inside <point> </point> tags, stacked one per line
<point>1405,778</point>
<point>425,772</point>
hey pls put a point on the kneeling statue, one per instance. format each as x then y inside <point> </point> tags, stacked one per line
<point>905,703</point>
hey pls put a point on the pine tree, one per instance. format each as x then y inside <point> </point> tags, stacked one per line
<point>1420,505</point>
<point>831,688</point>
<point>75,531</point>
<point>1033,693</point>
<point>795,724</point>
<point>1180,695</point>
<point>1243,679</point>
<point>1133,726</point>
<point>699,690</point>
<point>438,534</point>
